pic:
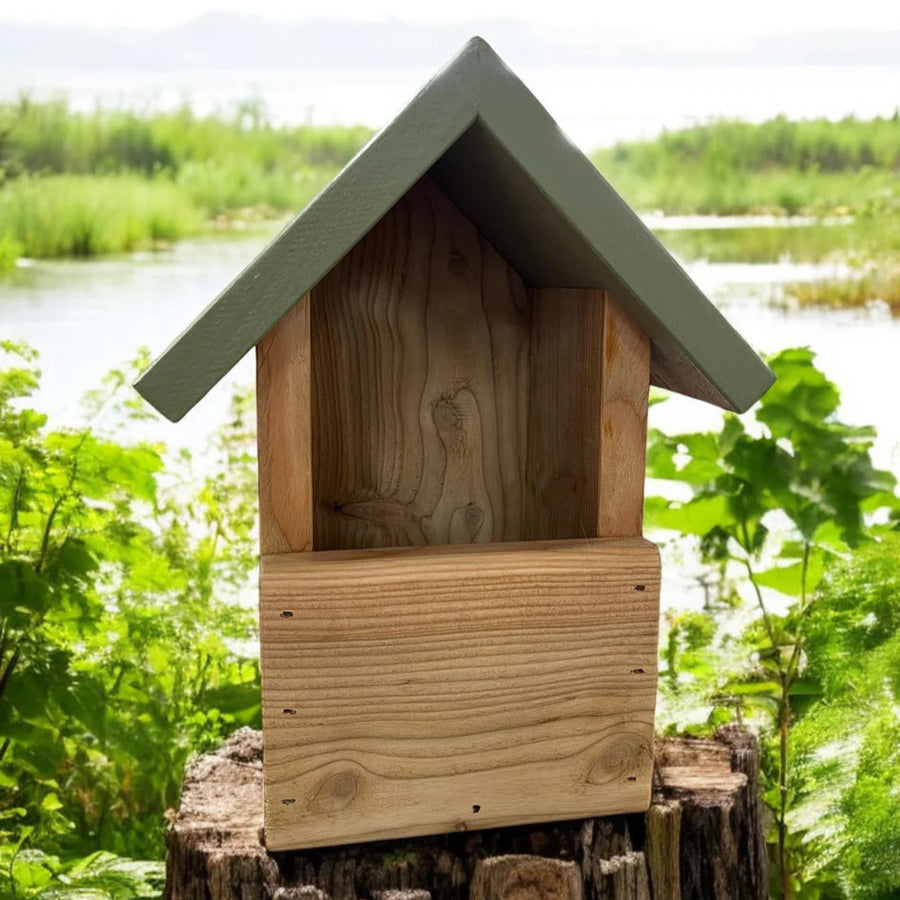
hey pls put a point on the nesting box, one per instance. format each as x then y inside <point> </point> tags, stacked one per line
<point>455,341</point>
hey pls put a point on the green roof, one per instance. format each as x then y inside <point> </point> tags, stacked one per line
<point>497,153</point>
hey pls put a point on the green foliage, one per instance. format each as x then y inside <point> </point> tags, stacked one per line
<point>779,165</point>
<point>857,242</point>
<point>84,184</point>
<point>34,875</point>
<point>876,283</point>
<point>69,215</point>
<point>10,251</point>
<point>49,138</point>
<point>849,795</point>
<point>117,655</point>
<point>221,187</point>
<point>812,144</point>
<point>775,512</point>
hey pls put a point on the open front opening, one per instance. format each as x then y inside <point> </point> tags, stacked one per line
<point>447,401</point>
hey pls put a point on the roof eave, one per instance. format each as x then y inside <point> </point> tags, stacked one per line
<point>696,351</point>
<point>315,241</point>
<point>705,356</point>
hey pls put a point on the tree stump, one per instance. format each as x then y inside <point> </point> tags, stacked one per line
<point>700,840</point>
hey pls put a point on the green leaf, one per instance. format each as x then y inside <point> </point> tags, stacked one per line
<point>789,579</point>
<point>698,516</point>
<point>753,688</point>
<point>50,803</point>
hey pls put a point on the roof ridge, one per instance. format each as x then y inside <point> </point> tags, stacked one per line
<point>482,133</point>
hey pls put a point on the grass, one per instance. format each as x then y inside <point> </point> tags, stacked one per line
<point>10,251</point>
<point>863,239</point>
<point>780,166</point>
<point>848,293</point>
<point>221,187</point>
<point>85,184</point>
<point>784,168</point>
<point>49,137</point>
<point>76,215</point>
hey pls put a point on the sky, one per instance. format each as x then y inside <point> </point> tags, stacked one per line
<point>695,17</point>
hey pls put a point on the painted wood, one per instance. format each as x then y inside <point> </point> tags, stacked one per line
<point>283,436</point>
<point>420,345</point>
<point>500,156</point>
<point>433,689</point>
<point>625,386</point>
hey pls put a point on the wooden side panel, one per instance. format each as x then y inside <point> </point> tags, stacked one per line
<point>420,381</point>
<point>623,417</point>
<point>518,687</point>
<point>587,428</point>
<point>564,413</point>
<point>283,401</point>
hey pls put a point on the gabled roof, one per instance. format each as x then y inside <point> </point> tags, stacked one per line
<point>497,153</point>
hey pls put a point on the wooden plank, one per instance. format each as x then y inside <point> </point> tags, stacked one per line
<point>433,689</point>
<point>419,408</point>
<point>282,398</point>
<point>566,363</point>
<point>590,378</point>
<point>623,423</point>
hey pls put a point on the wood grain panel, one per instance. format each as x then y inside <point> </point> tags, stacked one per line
<point>432,689</point>
<point>420,343</point>
<point>283,436</point>
<point>566,364</point>
<point>625,386</point>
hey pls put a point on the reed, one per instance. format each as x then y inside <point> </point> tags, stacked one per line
<point>782,166</point>
<point>865,238</point>
<point>75,215</point>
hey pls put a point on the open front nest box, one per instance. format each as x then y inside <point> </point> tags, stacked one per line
<point>455,342</point>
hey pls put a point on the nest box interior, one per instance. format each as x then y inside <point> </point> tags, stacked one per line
<point>422,395</point>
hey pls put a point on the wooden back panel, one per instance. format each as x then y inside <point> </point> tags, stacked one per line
<point>447,402</point>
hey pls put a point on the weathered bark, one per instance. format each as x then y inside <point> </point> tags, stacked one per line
<point>701,840</point>
<point>662,846</point>
<point>722,851</point>
<point>526,877</point>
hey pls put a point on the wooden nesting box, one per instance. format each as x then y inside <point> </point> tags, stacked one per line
<point>455,342</point>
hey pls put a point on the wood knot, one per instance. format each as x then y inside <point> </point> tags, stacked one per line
<point>465,523</point>
<point>458,266</point>
<point>620,760</point>
<point>446,415</point>
<point>335,793</point>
